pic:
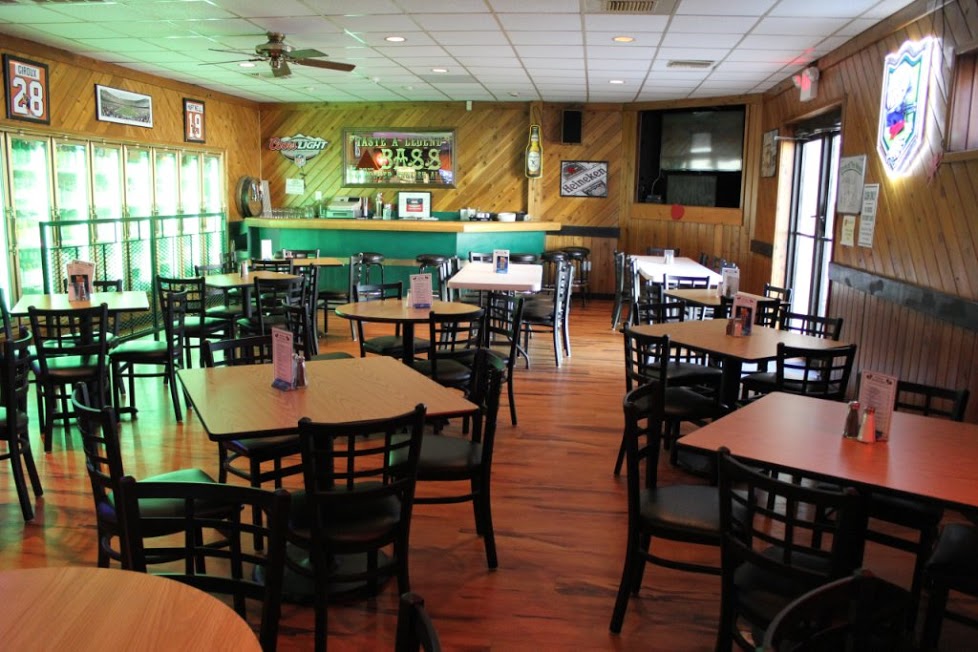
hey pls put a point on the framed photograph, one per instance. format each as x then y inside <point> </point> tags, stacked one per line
<point>584,178</point>
<point>193,121</point>
<point>395,156</point>
<point>413,205</point>
<point>124,107</point>
<point>26,84</point>
<point>769,153</point>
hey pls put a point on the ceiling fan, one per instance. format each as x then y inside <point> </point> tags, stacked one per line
<point>280,54</point>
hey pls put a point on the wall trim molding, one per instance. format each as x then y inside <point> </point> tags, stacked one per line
<point>589,231</point>
<point>944,307</point>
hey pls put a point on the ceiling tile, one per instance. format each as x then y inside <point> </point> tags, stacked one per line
<point>691,40</point>
<point>540,22</point>
<point>725,7</point>
<point>534,6</point>
<point>824,8</point>
<point>800,26</point>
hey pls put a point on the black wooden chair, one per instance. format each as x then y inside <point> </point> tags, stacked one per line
<point>389,345</point>
<point>256,349</point>
<point>858,612</point>
<point>454,458</point>
<point>772,555</point>
<point>166,356</point>
<point>70,348</point>
<point>452,338</point>
<point>198,325</point>
<point>415,631</point>
<point>272,265</point>
<point>222,304</point>
<point>359,483</point>
<point>688,514</point>
<point>623,288</point>
<point>271,295</point>
<point>103,459</point>
<point>216,539</point>
<point>15,367</point>
<point>503,323</point>
<point>550,312</point>
<point>953,566</point>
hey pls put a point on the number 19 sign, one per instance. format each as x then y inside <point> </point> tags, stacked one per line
<point>26,84</point>
<point>193,121</point>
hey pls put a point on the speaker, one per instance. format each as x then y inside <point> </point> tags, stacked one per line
<point>570,127</point>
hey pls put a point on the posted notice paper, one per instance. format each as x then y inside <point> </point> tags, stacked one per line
<point>867,218</point>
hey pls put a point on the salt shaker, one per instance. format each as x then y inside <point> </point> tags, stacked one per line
<point>867,429</point>
<point>852,421</point>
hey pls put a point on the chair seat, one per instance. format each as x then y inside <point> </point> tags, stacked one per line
<point>266,447</point>
<point>363,524</point>
<point>450,372</point>
<point>905,511</point>
<point>140,349</point>
<point>225,313</point>
<point>159,508</point>
<point>333,355</point>
<point>765,593</point>
<point>687,373</point>
<point>196,324</point>
<point>955,557</point>
<point>687,508</point>
<point>538,309</point>
<point>685,404</point>
<point>447,458</point>
<point>71,368</point>
<point>393,345</point>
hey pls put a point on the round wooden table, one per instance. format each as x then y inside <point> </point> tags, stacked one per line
<point>85,608</point>
<point>399,311</point>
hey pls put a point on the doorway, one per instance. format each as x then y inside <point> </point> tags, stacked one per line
<point>812,218</point>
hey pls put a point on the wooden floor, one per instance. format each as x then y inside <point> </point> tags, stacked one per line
<point>559,515</point>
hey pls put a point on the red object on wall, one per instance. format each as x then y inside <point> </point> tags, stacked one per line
<point>678,210</point>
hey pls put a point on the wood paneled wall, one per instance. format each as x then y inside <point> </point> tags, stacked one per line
<point>231,123</point>
<point>926,230</point>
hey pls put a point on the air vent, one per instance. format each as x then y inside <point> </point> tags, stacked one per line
<point>690,64</point>
<point>655,7</point>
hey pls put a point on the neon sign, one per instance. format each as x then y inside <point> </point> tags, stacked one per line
<point>903,106</point>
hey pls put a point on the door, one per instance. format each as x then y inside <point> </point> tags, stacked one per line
<point>812,219</point>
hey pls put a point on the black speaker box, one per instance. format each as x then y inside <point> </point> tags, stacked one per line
<point>571,126</point>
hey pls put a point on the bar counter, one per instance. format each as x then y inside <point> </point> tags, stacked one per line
<point>395,239</point>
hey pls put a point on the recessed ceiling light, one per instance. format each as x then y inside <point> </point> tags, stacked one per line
<point>247,64</point>
<point>395,39</point>
<point>623,39</point>
<point>439,70</point>
<point>514,94</point>
<point>616,81</point>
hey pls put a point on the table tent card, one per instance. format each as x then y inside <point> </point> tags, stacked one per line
<point>745,309</point>
<point>79,275</point>
<point>500,260</point>
<point>283,365</point>
<point>266,249</point>
<point>878,392</point>
<point>420,292</point>
<point>729,282</point>
<point>669,256</point>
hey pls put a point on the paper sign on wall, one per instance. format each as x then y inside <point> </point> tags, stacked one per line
<point>848,235</point>
<point>867,218</point>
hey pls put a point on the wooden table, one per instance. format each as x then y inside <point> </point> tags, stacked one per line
<point>483,276</point>
<point>654,268</point>
<point>399,311</point>
<point>710,336</point>
<point>318,261</point>
<point>244,283</point>
<point>708,298</point>
<point>933,459</point>
<point>130,301</point>
<point>239,401</point>
<point>93,609</point>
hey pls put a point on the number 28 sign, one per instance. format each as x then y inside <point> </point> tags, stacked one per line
<point>26,85</point>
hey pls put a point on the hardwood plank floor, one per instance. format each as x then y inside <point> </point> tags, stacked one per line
<point>559,515</point>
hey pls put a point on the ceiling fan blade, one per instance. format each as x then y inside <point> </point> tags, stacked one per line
<point>245,53</point>
<point>282,69</point>
<point>329,65</point>
<point>306,54</point>
<point>219,63</point>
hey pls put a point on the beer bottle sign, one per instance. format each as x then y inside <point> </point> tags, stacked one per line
<point>534,154</point>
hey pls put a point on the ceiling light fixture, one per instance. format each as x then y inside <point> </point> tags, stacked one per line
<point>395,39</point>
<point>623,39</point>
<point>616,81</point>
<point>247,64</point>
<point>439,70</point>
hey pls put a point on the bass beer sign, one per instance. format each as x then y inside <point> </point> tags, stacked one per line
<point>299,149</point>
<point>903,106</point>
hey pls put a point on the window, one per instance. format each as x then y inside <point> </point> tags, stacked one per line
<point>962,133</point>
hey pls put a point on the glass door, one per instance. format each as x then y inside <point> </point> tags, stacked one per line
<point>72,201</point>
<point>108,204</point>
<point>5,249</point>
<point>30,198</point>
<point>812,220</point>
<point>139,204</point>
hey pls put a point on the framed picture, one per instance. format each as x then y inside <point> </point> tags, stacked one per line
<point>26,83</point>
<point>397,156</point>
<point>413,205</point>
<point>852,175</point>
<point>124,107</point>
<point>584,178</point>
<point>769,153</point>
<point>193,121</point>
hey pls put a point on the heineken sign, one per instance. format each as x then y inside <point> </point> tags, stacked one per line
<point>299,149</point>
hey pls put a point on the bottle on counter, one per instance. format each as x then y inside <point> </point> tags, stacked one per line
<point>852,421</point>
<point>534,154</point>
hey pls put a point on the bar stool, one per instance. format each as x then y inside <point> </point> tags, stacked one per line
<point>523,258</point>
<point>580,258</point>
<point>433,263</point>
<point>371,260</point>
<point>550,260</point>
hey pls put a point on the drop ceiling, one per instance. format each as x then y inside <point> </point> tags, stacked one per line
<point>490,50</point>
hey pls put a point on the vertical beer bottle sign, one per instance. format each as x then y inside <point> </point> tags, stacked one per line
<point>534,154</point>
